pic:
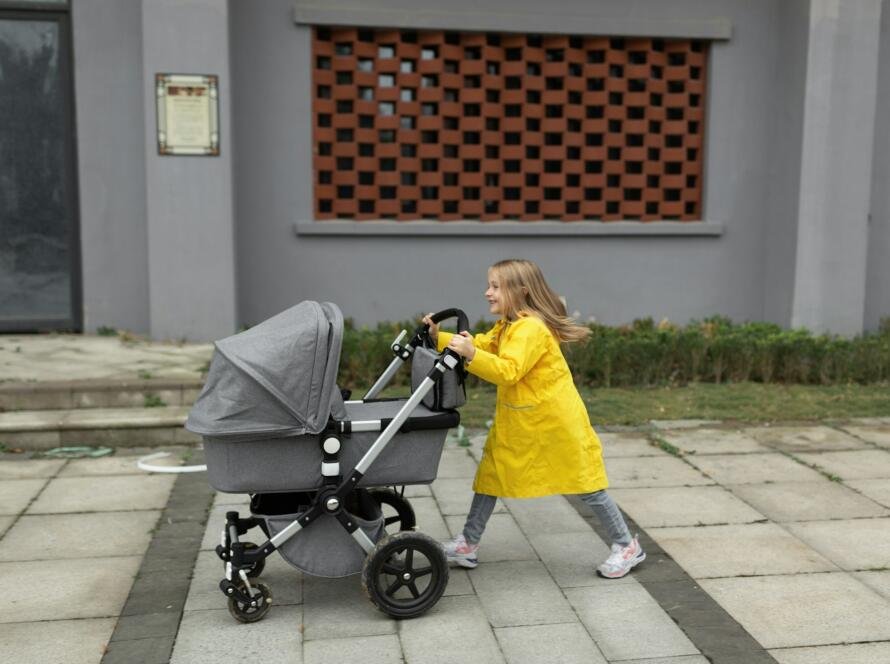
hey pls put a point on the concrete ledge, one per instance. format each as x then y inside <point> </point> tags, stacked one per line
<point>313,12</point>
<point>509,228</point>
<point>59,395</point>
<point>112,427</point>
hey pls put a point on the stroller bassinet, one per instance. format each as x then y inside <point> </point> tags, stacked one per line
<point>275,425</point>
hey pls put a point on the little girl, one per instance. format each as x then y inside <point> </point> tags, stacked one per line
<point>541,442</point>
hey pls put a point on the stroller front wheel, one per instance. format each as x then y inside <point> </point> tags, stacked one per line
<point>245,612</point>
<point>405,574</point>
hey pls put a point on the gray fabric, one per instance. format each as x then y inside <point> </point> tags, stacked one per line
<point>275,379</point>
<point>448,393</point>
<point>293,463</point>
<point>609,515</point>
<point>324,548</point>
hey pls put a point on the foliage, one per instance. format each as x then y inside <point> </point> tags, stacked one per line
<point>643,353</point>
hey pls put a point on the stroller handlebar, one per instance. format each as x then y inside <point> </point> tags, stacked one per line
<point>463,323</point>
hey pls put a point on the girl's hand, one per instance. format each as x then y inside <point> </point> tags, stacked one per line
<point>434,327</point>
<point>462,344</point>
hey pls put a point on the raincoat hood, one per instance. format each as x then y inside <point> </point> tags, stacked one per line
<point>275,379</point>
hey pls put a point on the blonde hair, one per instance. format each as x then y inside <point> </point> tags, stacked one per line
<point>524,292</point>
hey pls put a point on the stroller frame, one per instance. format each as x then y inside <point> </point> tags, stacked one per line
<point>250,602</point>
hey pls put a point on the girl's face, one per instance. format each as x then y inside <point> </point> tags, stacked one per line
<point>493,294</point>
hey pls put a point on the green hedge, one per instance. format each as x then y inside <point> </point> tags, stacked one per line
<point>644,353</point>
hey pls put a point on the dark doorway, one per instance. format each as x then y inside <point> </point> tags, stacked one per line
<point>39,245</point>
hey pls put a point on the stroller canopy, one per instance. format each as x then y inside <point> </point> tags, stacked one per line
<point>275,379</point>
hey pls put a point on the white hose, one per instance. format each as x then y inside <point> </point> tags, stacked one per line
<point>149,468</point>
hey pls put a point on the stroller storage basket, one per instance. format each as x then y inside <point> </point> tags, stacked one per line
<point>323,548</point>
<point>292,463</point>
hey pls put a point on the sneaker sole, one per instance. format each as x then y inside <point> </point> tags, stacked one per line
<point>463,562</point>
<point>636,562</point>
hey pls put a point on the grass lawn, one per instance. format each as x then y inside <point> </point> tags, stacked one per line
<point>742,402</point>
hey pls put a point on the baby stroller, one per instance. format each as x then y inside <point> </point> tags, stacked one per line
<point>276,426</point>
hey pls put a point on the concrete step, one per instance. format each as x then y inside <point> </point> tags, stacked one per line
<point>111,427</point>
<point>98,393</point>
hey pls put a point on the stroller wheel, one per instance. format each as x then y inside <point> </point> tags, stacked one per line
<point>246,613</point>
<point>405,574</point>
<point>403,516</point>
<point>257,568</point>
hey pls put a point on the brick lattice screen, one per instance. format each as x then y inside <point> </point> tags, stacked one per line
<point>444,125</point>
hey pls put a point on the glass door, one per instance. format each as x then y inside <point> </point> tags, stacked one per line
<point>39,246</point>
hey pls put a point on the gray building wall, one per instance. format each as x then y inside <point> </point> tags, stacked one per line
<point>111,155</point>
<point>614,278</point>
<point>783,170</point>
<point>877,288</point>
<point>190,211</point>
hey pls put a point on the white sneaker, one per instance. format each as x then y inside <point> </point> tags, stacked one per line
<point>461,552</point>
<point>622,560</point>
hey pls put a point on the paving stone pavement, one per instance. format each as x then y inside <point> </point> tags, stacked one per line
<point>766,543</point>
<point>767,533</point>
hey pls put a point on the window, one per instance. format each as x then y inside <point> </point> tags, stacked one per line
<point>506,126</point>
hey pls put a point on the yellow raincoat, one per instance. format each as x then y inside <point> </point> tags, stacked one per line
<point>541,442</point>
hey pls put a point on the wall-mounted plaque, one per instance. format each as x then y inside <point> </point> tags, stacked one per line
<point>188,114</point>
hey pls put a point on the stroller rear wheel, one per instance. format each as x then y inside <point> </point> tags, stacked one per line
<point>404,513</point>
<point>245,612</point>
<point>405,574</point>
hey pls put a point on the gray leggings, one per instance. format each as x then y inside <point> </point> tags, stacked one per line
<point>606,511</point>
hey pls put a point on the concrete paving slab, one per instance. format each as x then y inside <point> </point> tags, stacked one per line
<point>40,358</point>
<point>739,550</point>
<point>67,589</point>
<point>52,536</point>
<point>653,471</point>
<point>688,659</point>
<point>455,495</point>
<point>753,468</point>
<point>68,641</point>
<point>456,463</point>
<point>384,649</point>
<point>429,520</point>
<point>551,514</point>
<point>29,468</point>
<point>805,438</point>
<point>338,608</point>
<point>627,623</point>
<point>807,501</point>
<point>683,506</point>
<point>713,441</point>
<point>857,653</point>
<point>454,630</point>
<point>15,495</point>
<point>213,637</point>
<point>878,581</point>
<point>877,490</point>
<point>115,465</point>
<point>418,491</point>
<point>572,558</point>
<point>285,581</point>
<point>503,540</point>
<point>5,523</point>
<point>854,544</point>
<point>878,434</point>
<point>234,500</point>
<point>803,609</point>
<point>617,445</point>
<point>520,593</point>
<point>682,424</point>
<point>544,644</point>
<point>458,583</point>
<point>852,465</point>
<point>119,493</point>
